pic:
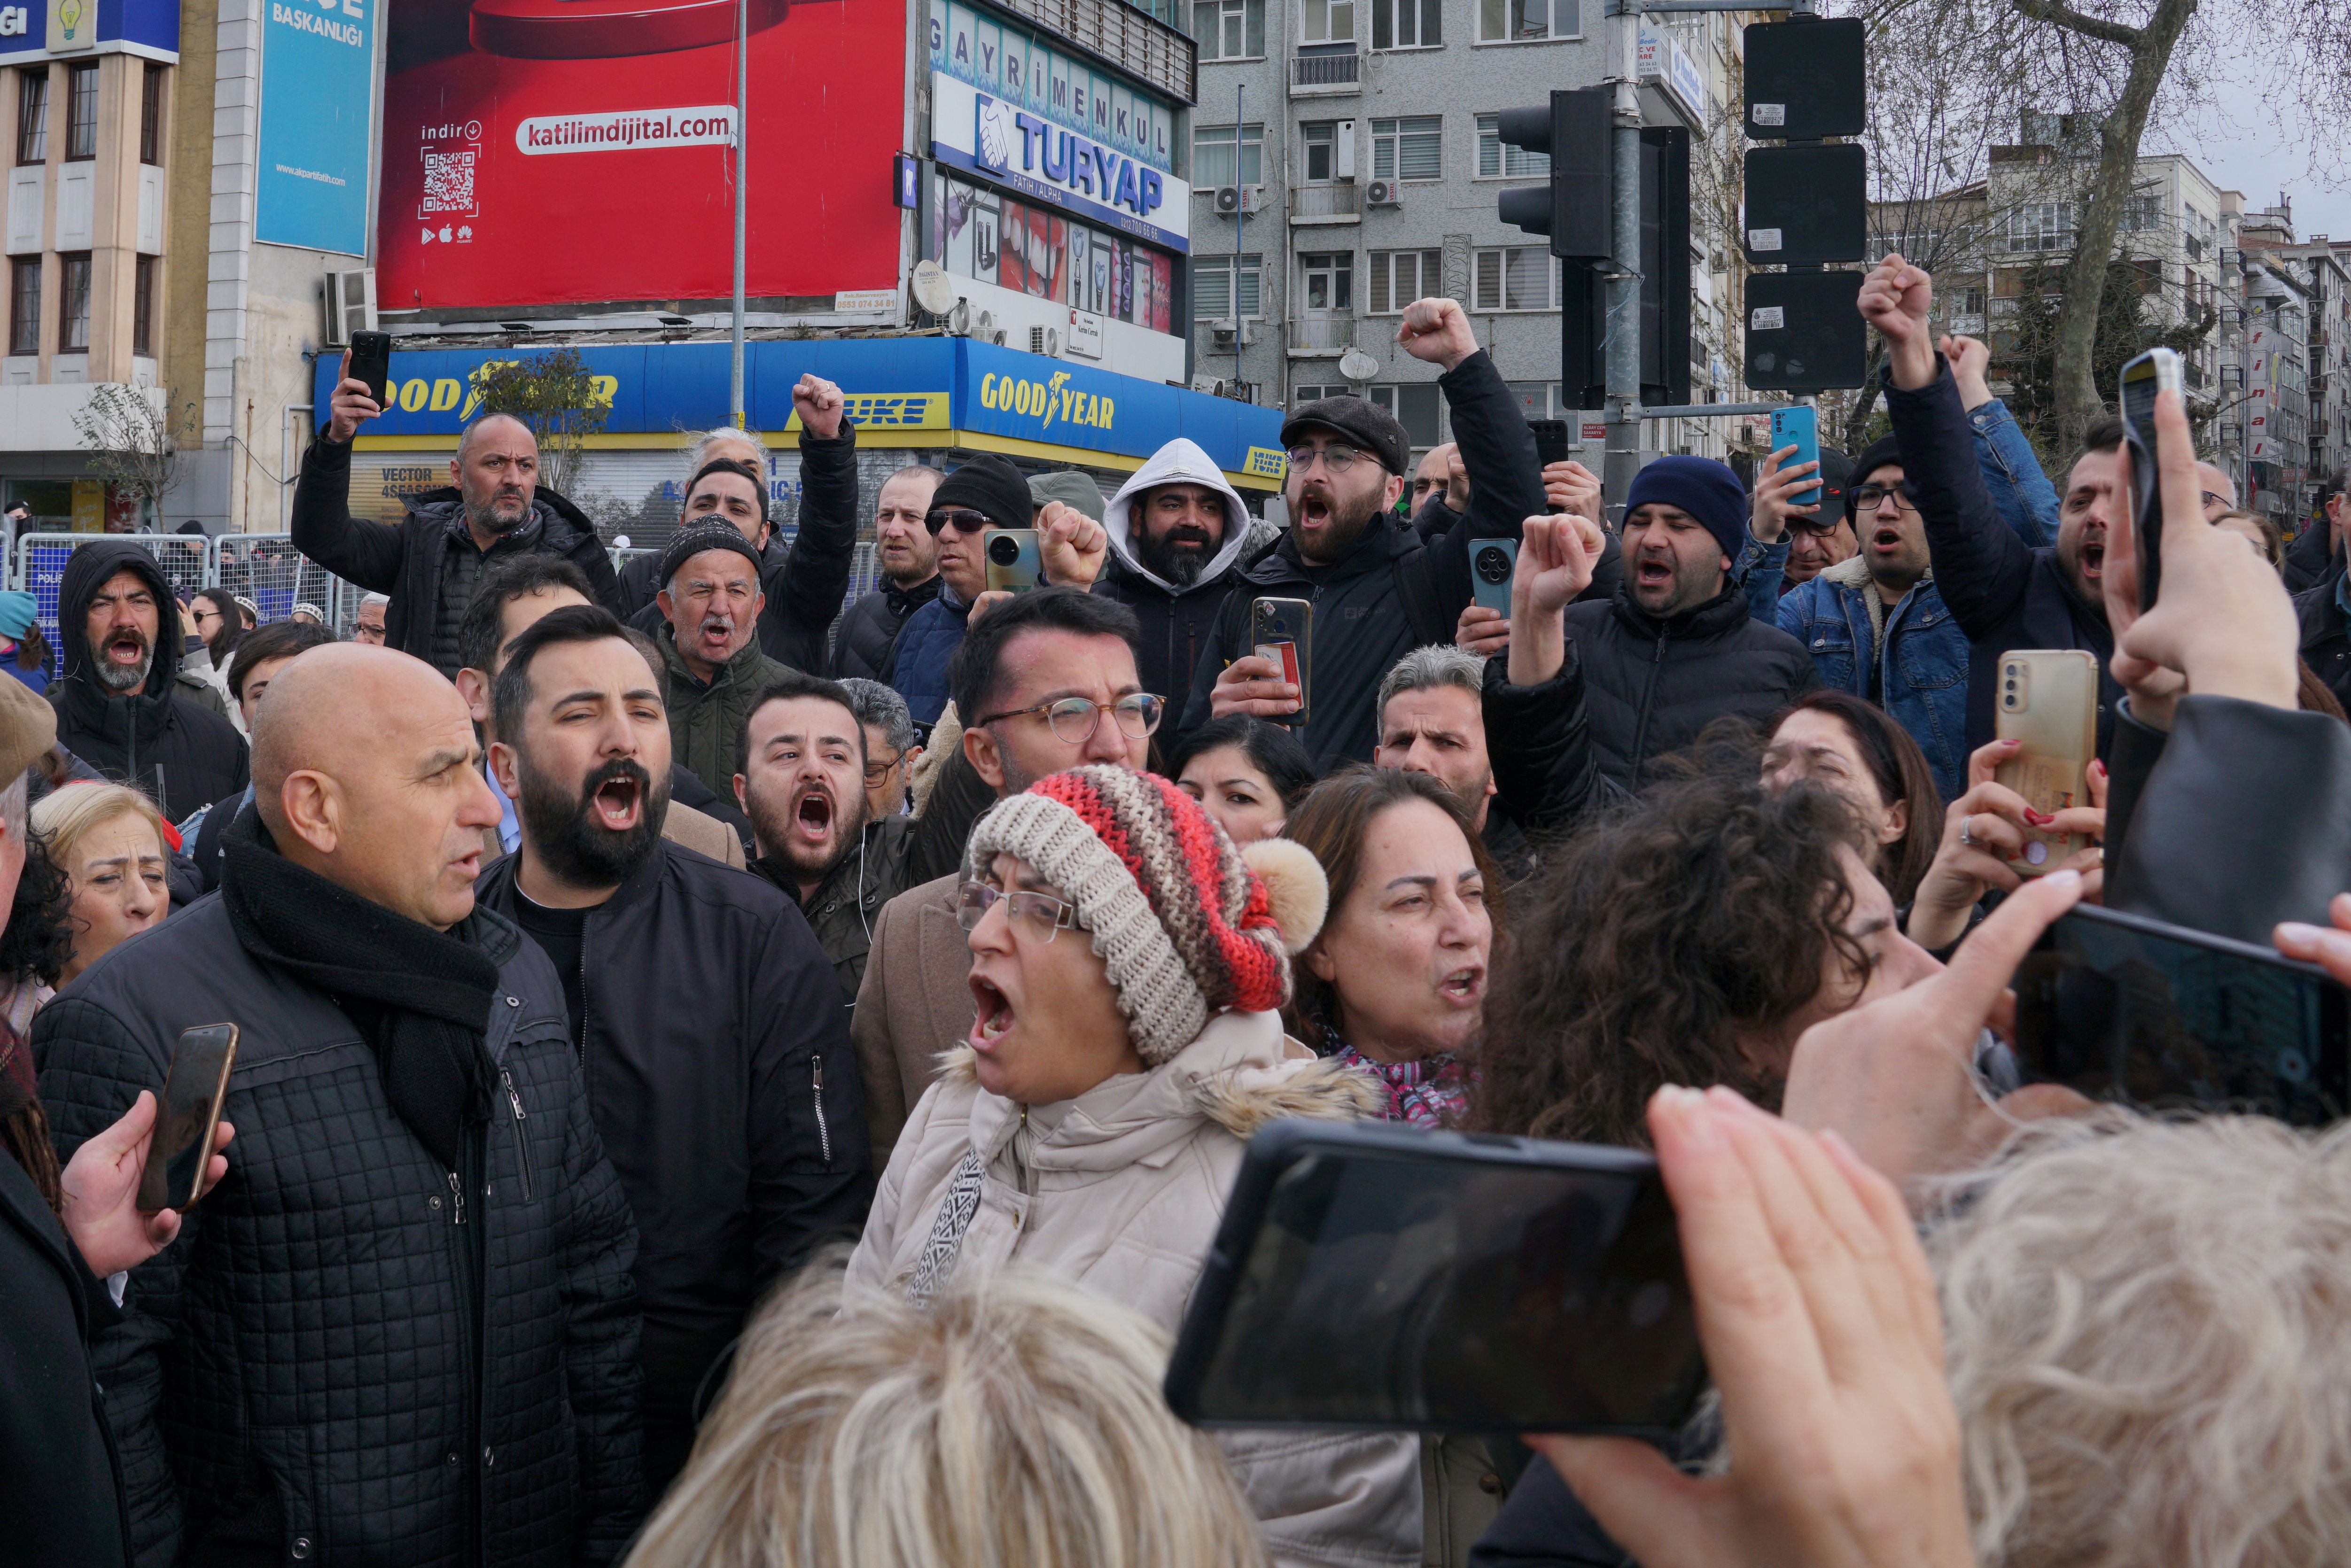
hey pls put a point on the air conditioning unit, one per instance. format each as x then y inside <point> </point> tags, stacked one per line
<point>1228,201</point>
<point>351,304</point>
<point>1226,334</point>
<point>1045,340</point>
<point>1383,194</point>
<point>1252,198</point>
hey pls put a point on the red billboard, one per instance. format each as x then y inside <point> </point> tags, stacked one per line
<point>557,152</point>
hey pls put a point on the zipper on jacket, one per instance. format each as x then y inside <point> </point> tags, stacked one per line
<point>1649,701</point>
<point>456,1200</point>
<point>522,1139</point>
<point>823,1133</point>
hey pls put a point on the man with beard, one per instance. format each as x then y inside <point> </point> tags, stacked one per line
<point>709,639</point>
<point>708,1022</point>
<point>908,558</point>
<point>799,776</point>
<point>1177,529</point>
<point>2003,593</point>
<point>431,563</point>
<point>1876,626</point>
<point>116,709</point>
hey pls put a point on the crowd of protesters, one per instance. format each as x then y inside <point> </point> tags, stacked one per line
<point>730,1078</point>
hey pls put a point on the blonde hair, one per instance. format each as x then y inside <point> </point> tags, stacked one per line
<point>2146,1345</point>
<point>1017,1423</point>
<point>63,817</point>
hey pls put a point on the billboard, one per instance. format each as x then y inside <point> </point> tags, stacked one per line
<point>553,151</point>
<point>317,96</point>
<point>37,28</point>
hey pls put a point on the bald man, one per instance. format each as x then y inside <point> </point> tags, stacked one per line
<point>430,564</point>
<point>414,1293</point>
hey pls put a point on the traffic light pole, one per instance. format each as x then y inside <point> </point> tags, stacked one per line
<point>1623,365</point>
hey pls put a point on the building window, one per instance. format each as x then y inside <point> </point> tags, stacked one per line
<point>1326,22</point>
<point>73,299</point>
<point>142,310</point>
<point>1415,407</point>
<point>1519,21</point>
<point>1328,279</point>
<point>150,116</point>
<point>1917,246</point>
<point>81,112</point>
<point>2042,226</point>
<point>2145,212</point>
<point>1518,277</point>
<point>1212,156</point>
<point>1540,400</point>
<point>1230,29</point>
<point>1410,149</point>
<point>1401,276</point>
<point>25,304</point>
<point>1322,144</point>
<point>1407,23</point>
<point>1969,301</point>
<point>1300,396</point>
<point>1212,287</point>
<point>32,116</point>
<point>1497,160</point>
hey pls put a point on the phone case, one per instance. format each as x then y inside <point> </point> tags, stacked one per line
<point>1800,423</point>
<point>1012,560</point>
<point>2047,699</point>
<point>1551,440</point>
<point>1290,620</point>
<point>1491,564</point>
<point>371,362</point>
<point>156,1177</point>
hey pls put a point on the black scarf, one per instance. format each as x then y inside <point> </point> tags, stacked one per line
<point>421,998</point>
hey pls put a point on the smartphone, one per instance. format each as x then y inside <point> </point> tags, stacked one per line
<point>1551,440</point>
<point>1492,562</point>
<point>371,364</point>
<point>1375,1276</point>
<point>186,1118</point>
<point>1012,560</point>
<point>2156,370</point>
<point>2120,1007</point>
<point>1276,622</point>
<point>2049,700</point>
<point>1798,424</point>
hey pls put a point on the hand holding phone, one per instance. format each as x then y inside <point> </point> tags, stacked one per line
<point>2048,700</point>
<point>2157,371</point>
<point>193,1089</point>
<point>101,1185</point>
<point>365,388</point>
<point>1551,440</point>
<point>1492,562</point>
<point>1798,425</point>
<point>1279,624</point>
<point>1011,557</point>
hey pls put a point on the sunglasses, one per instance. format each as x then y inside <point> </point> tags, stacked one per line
<point>961,521</point>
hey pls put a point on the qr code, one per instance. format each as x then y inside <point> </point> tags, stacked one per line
<point>448,183</point>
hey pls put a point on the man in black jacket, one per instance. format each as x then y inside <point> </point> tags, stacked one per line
<point>711,1030</point>
<point>1176,530</point>
<point>433,561</point>
<point>2316,556</point>
<point>119,707</point>
<point>908,558</point>
<point>403,1329</point>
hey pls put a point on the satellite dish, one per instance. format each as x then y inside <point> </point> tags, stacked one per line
<point>1358,366</point>
<point>959,319</point>
<point>933,289</point>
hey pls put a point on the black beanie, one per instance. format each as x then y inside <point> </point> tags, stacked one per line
<point>1882,452</point>
<point>990,486</point>
<point>689,542</point>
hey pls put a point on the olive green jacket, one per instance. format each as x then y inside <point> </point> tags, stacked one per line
<point>705,721</point>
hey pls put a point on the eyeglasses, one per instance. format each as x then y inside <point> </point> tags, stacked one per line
<point>877,771</point>
<point>962,522</point>
<point>1866,496</point>
<point>2220,501</point>
<point>1042,910</point>
<point>1338,459</point>
<point>1075,719</point>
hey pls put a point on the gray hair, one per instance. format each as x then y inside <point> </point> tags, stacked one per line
<point>697,450</point>
<point>1426,669</point>
<point>14,809</point>
<point>884,709</point>
<point>368,599</point>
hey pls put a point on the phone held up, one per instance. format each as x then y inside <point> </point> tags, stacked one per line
<point>1551,440</point>
<point>1492,562</point>
<point>2157,371</point>
<point>2049,700</point>
<point>1487,1283</point>
<point>1282,630</point>
<point>187,1117</point>
<point>371,364</point>
<point>1798,424</point>
<point>1013,563</point>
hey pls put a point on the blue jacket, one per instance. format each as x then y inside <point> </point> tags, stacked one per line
<point>1922,659</point>
<point>918,661</point>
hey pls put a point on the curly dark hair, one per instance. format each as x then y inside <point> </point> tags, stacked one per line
<point>39,937</point>
<point>1703,912</point>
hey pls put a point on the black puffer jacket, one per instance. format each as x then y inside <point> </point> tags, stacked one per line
<point>1652,684</point>
<point>314,1371</point>
<point>869,628</point>
<point>182,753</point>
<point>1538,742</point>
<point>1178,628</point>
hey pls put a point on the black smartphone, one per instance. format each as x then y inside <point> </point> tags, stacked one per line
<point>371,362</point>
<point>2156,370</point>
<point>2119,1007</point>
<point>1551,440</point>
<point>186,1118</point>
<point>1491,564</point>
<point>1375,1275</point>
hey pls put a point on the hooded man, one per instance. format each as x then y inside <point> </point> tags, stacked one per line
<point>1177,531</point>
<point>119,706</point>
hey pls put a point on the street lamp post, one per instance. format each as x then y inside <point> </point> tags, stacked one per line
<point>742,108</point>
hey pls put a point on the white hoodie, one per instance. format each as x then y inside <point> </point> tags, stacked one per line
<point>1180,461</point>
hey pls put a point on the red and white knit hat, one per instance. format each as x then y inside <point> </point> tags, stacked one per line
<point>1186,925</point>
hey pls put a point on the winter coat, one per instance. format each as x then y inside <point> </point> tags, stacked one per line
<point>1539,744</point>
<point>1175,620</point>
<point>1653,685</point>
<point>417,558</point>
<point>2003,593</point>
<point>1121,1190</point>
<point>2312,559</point>
<point>351,1354</point>
<point>846,903</point>
<point>870,627</point>
<point>918,661</point>
<point>913,1002</point>
<point>182,755</point>
<point>1921,658</point>
<point>2327,634</point>
<point>705,721</point>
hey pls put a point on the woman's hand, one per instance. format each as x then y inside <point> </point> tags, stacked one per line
<point>101,1188</point>
<point>1983,834</point>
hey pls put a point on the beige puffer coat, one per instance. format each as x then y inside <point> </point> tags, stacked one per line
<point>1121,1190</point>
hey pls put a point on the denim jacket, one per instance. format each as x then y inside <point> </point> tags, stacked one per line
<point>1922,660</point>
<point>2021,493</point>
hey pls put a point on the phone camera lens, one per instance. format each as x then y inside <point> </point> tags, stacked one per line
<point>1004,551</point>
<point>1494,565</point>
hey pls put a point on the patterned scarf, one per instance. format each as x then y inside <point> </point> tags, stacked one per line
<point>1430,1093</point>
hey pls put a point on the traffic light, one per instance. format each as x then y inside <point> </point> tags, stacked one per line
<point>1573,130</point>
<point>1806,203</point>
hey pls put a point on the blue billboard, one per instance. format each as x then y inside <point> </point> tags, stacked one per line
<point>318,100</point>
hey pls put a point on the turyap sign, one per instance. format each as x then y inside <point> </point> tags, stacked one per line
<point>1000,141</point>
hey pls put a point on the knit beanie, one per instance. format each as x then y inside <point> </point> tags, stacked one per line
<point>1186,925</point>
<point>1705,489</point>
<point>18,611</point>
<point>1882,452</point>
<point>990,486</point>
<point>689,542</point>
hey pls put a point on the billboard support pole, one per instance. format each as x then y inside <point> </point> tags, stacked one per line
<point>742,107</point>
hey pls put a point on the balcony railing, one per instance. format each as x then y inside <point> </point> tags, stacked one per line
<point>1317,336</point>
<point>1325,203</point>
<point>1326,73</point>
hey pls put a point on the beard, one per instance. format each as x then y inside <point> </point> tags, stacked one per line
<point>1349,518</point>
<point>772,821</point>
<point>117,677</point>
<point>1179,556</point>
<point>483,515</point>
<point>563,825</point>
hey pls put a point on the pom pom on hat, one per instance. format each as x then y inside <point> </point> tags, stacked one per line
<point>1295,886</point>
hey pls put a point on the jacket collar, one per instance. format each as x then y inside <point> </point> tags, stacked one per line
<point>904,601</point>
<point>502,885</point>
<point>1384,539</point>
<point>741,660</point>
